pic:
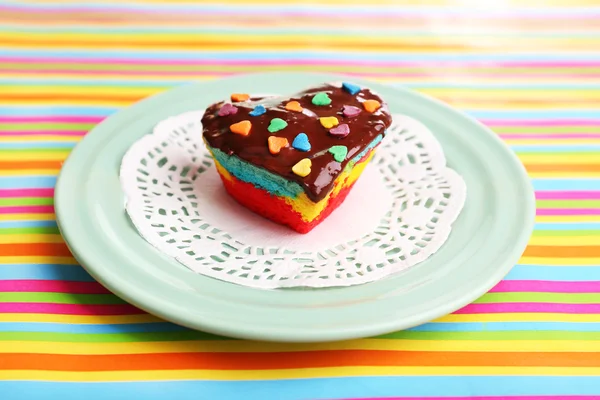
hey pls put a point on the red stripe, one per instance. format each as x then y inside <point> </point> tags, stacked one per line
<point>52,286</point>
<point>70,309</point>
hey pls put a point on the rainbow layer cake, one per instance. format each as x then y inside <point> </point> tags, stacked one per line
<point>294,160</point>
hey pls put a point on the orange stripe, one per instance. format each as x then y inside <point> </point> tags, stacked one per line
<point>562,167</point>
<point>562,251</point>
<point>34,249</point>
<point>291,360</point>
<point>50,164</point>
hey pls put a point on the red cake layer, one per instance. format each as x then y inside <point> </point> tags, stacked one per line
<point>275,208</point>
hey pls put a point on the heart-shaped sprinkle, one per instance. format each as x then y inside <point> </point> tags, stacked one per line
<point>351,88</point>
<point>294,106</point>
<point>276,144</point>
<point>351,111</point>
<point>276,124</point>
<point>258,110</point>
<point>321,99</point>
<point>371,105</point>
<point>302,167</point>
<point>237,97</point>
<point>241,128</point>
<point>301,142</point>
<point>328,122</point>
<point>339,153</point>
<point>227,109</point>
<point>340,131</point>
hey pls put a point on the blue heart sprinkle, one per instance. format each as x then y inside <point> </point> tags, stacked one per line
<point>301,142</point>
<point>258,110</point>
<point>350,88</point>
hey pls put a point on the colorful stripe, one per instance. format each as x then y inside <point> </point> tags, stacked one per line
<point>528,70</point>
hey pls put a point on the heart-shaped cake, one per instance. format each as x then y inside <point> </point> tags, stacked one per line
<point>294,159</point>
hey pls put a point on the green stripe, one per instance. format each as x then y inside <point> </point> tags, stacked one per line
<point>38,126</point>
<point>496,335</point>
<point>567,203</point>
<point>24,231</point>
<point>59,298</point>
<point>108,337</point>
<point>27,201</point>
<point>525,297</point>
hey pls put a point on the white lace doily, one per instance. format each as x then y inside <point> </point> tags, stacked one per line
<point>398,214</point>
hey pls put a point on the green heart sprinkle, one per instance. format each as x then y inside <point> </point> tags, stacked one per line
<point>321,99</point>
<point>339,153</point>
<point>276,124</point>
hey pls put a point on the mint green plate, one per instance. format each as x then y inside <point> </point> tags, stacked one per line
<point>487,239</point>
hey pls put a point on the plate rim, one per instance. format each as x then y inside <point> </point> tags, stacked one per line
<point>133,295</point>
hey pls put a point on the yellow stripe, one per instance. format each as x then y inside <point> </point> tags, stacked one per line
<point>29,172</point>
<point>33,155</point>
<point>575,174</point>
<point>27,217</point>
<point>80,319</point>
<point>565,241</point>
<point>554,159</point>
<point>302,373</point>
<point>520,317</point>
<point>567,218</point>
<point>30,238</point>
<point>37,260</point>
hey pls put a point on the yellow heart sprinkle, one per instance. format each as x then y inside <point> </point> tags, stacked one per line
<point>329,122</point>
<point>302,167</point>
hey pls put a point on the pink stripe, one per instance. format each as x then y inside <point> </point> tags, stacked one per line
<point>547,286</point>
<point>144,72</point>
<point>12,193</point>
<point>556,195</point>
<point>44,133</point>
<point>495,308</point>
<point>27,210</point>
<point>545,122</point>
<point>509,136</point>
<point>481,398</point>
<point>292,62</point>
<point>567,211</point>
<point>52,286</point>
<point>51,118</point>
<point>70,309</point>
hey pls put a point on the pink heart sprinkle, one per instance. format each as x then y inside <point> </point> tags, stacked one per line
<point>227,109</point>
<point>351,111</point>
<point>340,131</point>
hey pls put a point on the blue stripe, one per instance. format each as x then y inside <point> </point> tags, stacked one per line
<point>89,328</point>
<point>11,111</point>
<point>27,224</point>
<point>50,272</point>
<point>552,273</point>
<point>294,55</point>
<point>507,326</point>
<point>20,182</point>
<point>567,226</point>
<point>556,148</point>
<point>297,389</point>
<point>38,145</point>
<point>566,184</point>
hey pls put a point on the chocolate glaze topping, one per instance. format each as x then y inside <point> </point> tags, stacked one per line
<point>253,148</point>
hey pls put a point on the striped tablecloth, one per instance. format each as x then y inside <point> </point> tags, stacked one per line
<point>531,73</point>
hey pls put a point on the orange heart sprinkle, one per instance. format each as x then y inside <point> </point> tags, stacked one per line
<point>293,106</point>
<point>239,97</point>
<point>277,143</point>
<point>241,128</point>
<point>371,105</point>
